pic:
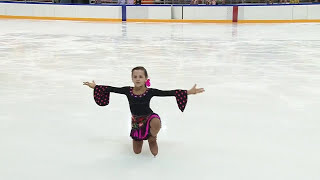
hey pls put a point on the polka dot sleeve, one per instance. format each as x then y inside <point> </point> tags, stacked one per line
<point>182,98</point>
<point>101,95</point>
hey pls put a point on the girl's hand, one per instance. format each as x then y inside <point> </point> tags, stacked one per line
<point>194,90</point>
<point>92,85</point>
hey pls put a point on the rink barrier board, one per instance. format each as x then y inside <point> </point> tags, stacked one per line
<point>148,12</point>
<point>179,21</point>
<point>61,18</point>
<point>63,12</point>
<point>278,14</point>
<point>281,21</point>
<point>290,13</point>
<point>116,20</point>
<point>158,20</point>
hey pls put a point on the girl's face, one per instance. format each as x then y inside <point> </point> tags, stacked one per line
<point>138,78</point>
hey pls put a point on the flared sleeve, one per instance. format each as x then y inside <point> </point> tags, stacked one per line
<point>182,99</point>
<point>181,96</point>
<point>101,93</point>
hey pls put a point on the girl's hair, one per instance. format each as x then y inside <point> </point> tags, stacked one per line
<point>140,68</point>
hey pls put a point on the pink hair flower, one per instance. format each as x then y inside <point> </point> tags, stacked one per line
<point>148,84</point>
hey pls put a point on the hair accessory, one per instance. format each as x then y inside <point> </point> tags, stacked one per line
<point>148,83</point>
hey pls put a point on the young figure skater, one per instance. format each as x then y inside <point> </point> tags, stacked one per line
<point>145,123</point>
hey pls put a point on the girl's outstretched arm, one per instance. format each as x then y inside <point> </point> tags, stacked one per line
<point>181,95</point>
<point>101,93</point>
<point>119,90</point>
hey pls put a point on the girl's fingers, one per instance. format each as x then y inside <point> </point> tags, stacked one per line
<point>86,83</point>
<point>200,90</point>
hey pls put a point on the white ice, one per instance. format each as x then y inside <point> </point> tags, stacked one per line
<point>259,118</point>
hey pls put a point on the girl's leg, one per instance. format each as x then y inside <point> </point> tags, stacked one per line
<point>137,146</point>
<point>155,126</point>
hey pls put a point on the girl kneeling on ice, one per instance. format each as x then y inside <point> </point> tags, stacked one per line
<point>145,123</point>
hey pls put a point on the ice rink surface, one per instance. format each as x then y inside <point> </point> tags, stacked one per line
<point>259,118</point>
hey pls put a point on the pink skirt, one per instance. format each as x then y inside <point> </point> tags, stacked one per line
<point>140,126</point>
